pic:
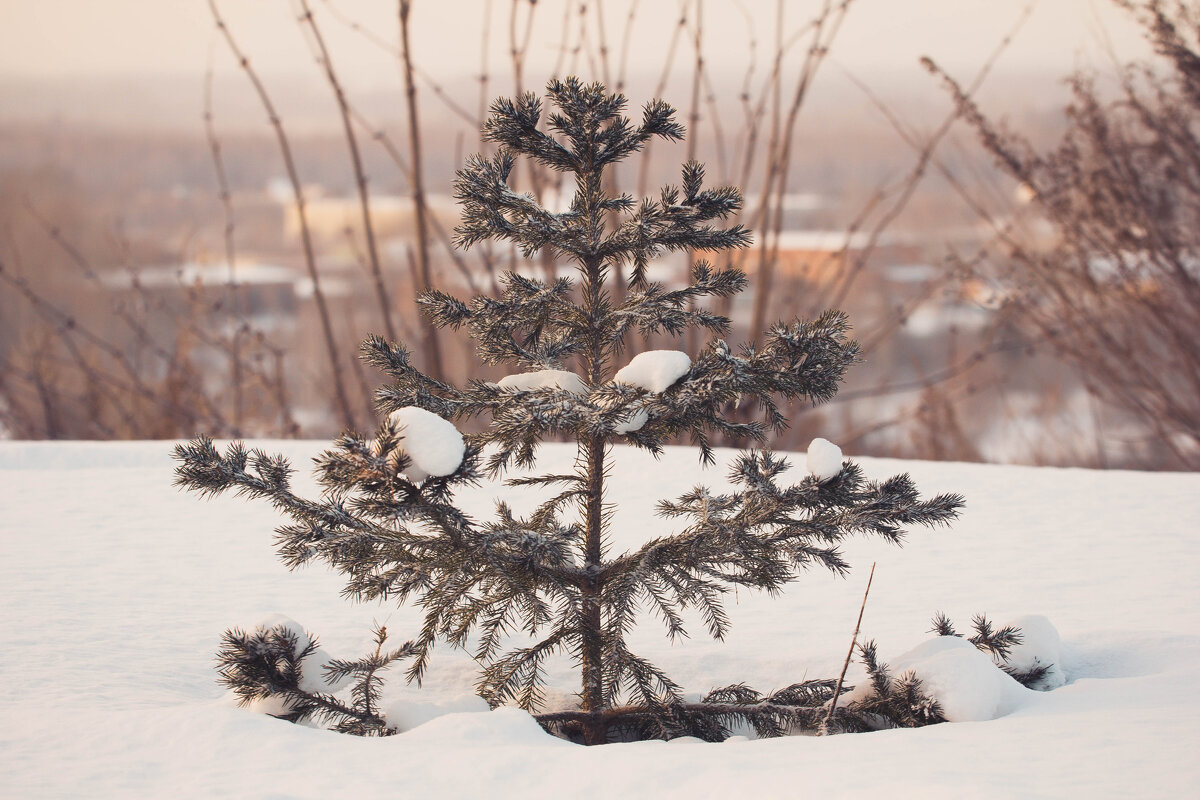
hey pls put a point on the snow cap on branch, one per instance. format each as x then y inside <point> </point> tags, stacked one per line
<point>544,379</point>
<point>654,370</point>
<point>824,459</point>
<point>1040,649</point>
<point>963,680</point>
<point>434,446</point>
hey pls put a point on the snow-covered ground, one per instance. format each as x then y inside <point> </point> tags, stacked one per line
<point>115,588</point>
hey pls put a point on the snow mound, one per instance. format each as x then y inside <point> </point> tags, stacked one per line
<point>824,459</point>
<point>1040,646</point>
<point>544,379</point>
<point>404,715</point>
<point>274,705</point>
<point>964,681</point>
<point>503,727</point>
<point>433,445</point>
<point>654,370</point>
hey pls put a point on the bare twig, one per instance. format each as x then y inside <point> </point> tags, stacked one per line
<point>694,136</point>
<point>360,176</point>
<point>433,355</point>
<point>231,294</point>
<point>825,29</point>
<point>434,86</point>
<point>837,690</point>
<point>910,183</point>
<point>285,149</point>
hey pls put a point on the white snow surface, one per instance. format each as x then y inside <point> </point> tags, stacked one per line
<point>544,379</point>
<point>433,444</point>
<point>412,708</point>
<point>824,459</point>
<point>654,370</point>
<point>116,588</point>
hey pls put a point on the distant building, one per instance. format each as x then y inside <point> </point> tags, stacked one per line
<point>262,290</point>
<point>816,256</point>
<point>391,215</point>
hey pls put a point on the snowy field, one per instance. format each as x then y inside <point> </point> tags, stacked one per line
<point>115,588</point>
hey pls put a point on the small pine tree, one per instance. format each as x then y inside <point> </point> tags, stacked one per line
<point>393,530</point>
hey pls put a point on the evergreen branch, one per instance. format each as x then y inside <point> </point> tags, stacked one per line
<point>998,643</point>
<point>798,707</point>
<point>269,663</point>
<point>518,675</point>
<point>942,626</point>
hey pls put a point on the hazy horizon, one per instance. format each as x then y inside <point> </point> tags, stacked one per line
<point>125,37</point>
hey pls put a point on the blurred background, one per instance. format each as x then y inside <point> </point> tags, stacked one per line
<point>205,206</point>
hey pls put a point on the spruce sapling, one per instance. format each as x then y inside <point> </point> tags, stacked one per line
<point>549,576</point>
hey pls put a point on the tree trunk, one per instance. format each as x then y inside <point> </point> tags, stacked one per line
<point>591,621</point>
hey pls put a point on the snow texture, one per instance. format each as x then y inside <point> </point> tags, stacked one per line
<point>408,713</point>
<point>824,459</point>
<point>1040,646</point>
<point>118,590</point>
<point>654,370</point>
<point>544,379</point>
<point>502,730</point>
<point>433,445</point>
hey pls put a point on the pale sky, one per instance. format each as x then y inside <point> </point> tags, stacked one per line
<point>109,38</point>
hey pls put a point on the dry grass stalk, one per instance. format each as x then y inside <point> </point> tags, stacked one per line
<point>360,177</point>
<point>310,260</point>
<point>432,347</point>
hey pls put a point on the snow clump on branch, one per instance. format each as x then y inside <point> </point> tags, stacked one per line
<point>434,446</point>
<point>824,459</point>
<point>654,371</point>
<point>311,666</point>
<point>963,680</point>
<point>1040,648</point>
<point>544,379</point>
